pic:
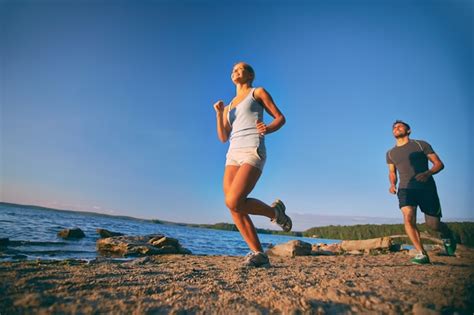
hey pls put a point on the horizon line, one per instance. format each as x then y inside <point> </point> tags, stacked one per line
<point>183,223</point>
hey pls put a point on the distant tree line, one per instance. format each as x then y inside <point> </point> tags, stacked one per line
<point>233,227</point>
<point>464,231</point>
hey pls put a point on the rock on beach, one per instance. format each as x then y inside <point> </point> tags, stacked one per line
<point>326,250</point>
<point>133,246</point>
<point>74,233</point>
<point>291,249</point>
<point>106,233</point>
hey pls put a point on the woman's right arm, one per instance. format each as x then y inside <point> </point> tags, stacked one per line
<point>223,127</point>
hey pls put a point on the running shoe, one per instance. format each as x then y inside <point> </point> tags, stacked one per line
<point>256,259</point>
<point>420,259</point>
<point>281,218</point>
<point>450,245</point>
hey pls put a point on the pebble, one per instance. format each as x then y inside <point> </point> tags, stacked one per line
<point>333,294</point>
<point>422,309</point>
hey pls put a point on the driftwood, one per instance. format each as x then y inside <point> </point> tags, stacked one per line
<point>423,235</point>
<point>373,243</point>
<point>381,242</point>
<point>386,243</point>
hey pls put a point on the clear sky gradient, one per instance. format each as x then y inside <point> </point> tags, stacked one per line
<point>106,106</point>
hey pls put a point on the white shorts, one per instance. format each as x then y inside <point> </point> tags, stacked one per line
<point>255,156</point>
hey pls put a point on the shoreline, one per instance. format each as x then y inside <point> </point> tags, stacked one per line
<point>463,229</point>
<point>385,283</point>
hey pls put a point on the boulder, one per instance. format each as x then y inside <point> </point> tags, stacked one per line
<point>106,233</point>
<point>374,243</point>
<point>132,246</point>
<point>325,250</point>
<point>164,241</point>
<point>291,249</point>
<point>74,233</point>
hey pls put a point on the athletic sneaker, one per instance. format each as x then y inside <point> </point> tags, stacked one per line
<point>420,259</point>
<point>450,245</point>
<point>256,259</point>
<point>281,218</point>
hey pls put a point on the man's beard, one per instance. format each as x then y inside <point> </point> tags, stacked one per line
<point>401,135</point>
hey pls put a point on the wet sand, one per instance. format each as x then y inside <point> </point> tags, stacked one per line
<point>182,284</point>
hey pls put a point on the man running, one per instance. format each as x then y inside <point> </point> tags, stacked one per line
<point>417,187</point>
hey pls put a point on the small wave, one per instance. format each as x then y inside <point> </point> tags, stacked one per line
<point>15,255</point>
<point>33,243</point>
<point>57,253</point>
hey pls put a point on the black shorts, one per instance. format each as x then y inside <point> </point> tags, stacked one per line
<point>426,199</point>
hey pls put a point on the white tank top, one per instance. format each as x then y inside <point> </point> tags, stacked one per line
<point>243,119</point>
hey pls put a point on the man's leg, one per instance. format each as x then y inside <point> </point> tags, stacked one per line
<point>430,205</point>
<point>449,241</point>
<point>435,224</point>
<point>409,219</point>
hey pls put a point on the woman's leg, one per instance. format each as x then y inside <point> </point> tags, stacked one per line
<point>242,184</point>
<point>238,183</point>
<point>247,230</point>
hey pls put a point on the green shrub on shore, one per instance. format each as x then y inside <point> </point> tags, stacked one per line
<point>233,227</point>
<point>464,231</point>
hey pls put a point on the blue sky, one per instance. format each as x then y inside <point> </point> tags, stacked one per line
<point>106,106</point>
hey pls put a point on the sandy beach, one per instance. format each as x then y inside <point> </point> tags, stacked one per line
<point>182,284</point>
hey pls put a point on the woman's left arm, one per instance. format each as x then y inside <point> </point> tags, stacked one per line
<point>264,98</point>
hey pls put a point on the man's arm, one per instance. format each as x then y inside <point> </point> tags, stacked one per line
<point>436,168</point>
<point>392,176</point>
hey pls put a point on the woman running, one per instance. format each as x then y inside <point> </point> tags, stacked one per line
<point>241,122</point>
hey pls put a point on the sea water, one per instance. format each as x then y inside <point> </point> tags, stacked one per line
<point>32,232</point>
